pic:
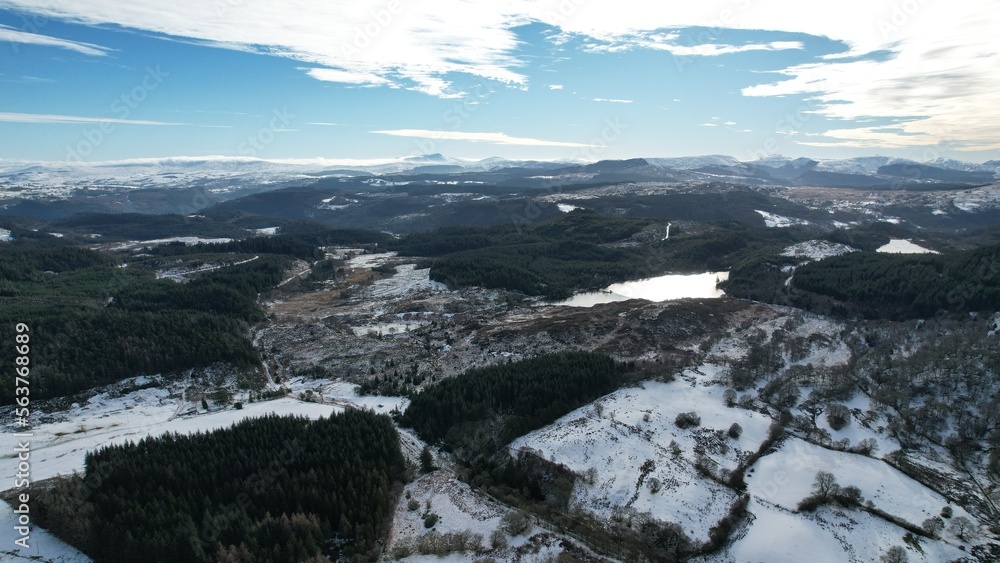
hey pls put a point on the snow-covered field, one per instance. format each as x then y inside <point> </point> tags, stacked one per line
<point>58,448</point>
<point>816,250</point>
<point>786,477</point>
<point>5,235</point>
<point>42,546</point>
<point>900,246</point>
<point>607,443</point>
<point>619,439</point>
<point>183,274</point>
<point>775,220</point>
<point>189,241</point>
<point>370,260</point>
<point>660,288</point>
<point>406,281</point>
<point>458,506</point>
<point>777,535</point>
<point>462,509</point>
<point>59,445</point>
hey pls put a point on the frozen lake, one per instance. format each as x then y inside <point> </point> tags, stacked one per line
<point>660,288</point>
<point>901,246</point>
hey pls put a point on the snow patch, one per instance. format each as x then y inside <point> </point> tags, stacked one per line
<point>816,250</point>
<point>633,425</point>
<point>900,246</point>
<point>774,220</point>
<point>104,420</point>
<point>43,545</point>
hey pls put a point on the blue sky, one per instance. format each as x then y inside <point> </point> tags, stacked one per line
<point>98,80</point>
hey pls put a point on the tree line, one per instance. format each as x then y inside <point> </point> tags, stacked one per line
<point>266,489</point>
<point>94,323</point>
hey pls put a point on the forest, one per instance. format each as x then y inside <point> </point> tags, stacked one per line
<point>877,286</point>
<point>551,258</point>
<point>583,250</point>
<point>483,409</point>
<point>94,323</point>
<point>266,489</point>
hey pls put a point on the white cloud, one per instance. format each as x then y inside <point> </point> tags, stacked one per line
<point>937,67</point>
<point>555,86</point>
<point>49,118</point>
<point>495,138</point>
<point>346,76</point>
<point>713,49</point>
<point>613,100</point>
<point>363,42</point>
<point>709,124</point>
<point>11,35</point>
<point>325,124</point>
<point>729,123</point>
<point>669,42</point>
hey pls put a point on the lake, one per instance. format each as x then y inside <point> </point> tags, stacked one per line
<point>900,246</point>
<point>660,288</point>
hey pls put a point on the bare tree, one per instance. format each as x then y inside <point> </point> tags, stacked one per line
<point>896,554</point>
<point>838,416</point>
<point>964,528</point>
<point>825,484</point>
<point>933,526</point>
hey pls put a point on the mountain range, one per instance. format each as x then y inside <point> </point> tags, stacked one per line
<point>221,172</point>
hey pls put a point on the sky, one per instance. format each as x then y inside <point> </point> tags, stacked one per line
<point>105,80</point>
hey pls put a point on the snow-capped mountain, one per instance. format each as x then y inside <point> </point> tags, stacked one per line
<point>694,162</point>
<point>242,175</point>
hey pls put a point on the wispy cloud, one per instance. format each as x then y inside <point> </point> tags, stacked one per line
<point>494,138</point>
<point>555,86</point>
<point>936,63</point>
<point>715,49</point>
<point>673,44</point>
<point>11,35</point>
<point>49,118</point>
<point>613,100</point>
<point>346,76</point>
<point>325,124</point>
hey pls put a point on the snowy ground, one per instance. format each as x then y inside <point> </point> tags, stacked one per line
<point>370,260</point>
<point>462,509</point>
<point>182,274</point>
<point>458,506</point>
<point>786,477</point>
<point>661,288</point>
<point>619,440</point>
<point>5,235</point>
<point>777,535</point>
<point>900,246</point>
<point>59,445</point>
<point>774,220</point>
<point>404,283</point>
<point>825,349</point>
<point>42,546</point>
<point>816,250</point>
<point>189,241</point>
<point>58,448</point>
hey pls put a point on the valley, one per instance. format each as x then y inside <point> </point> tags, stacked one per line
<point>732,396</point>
